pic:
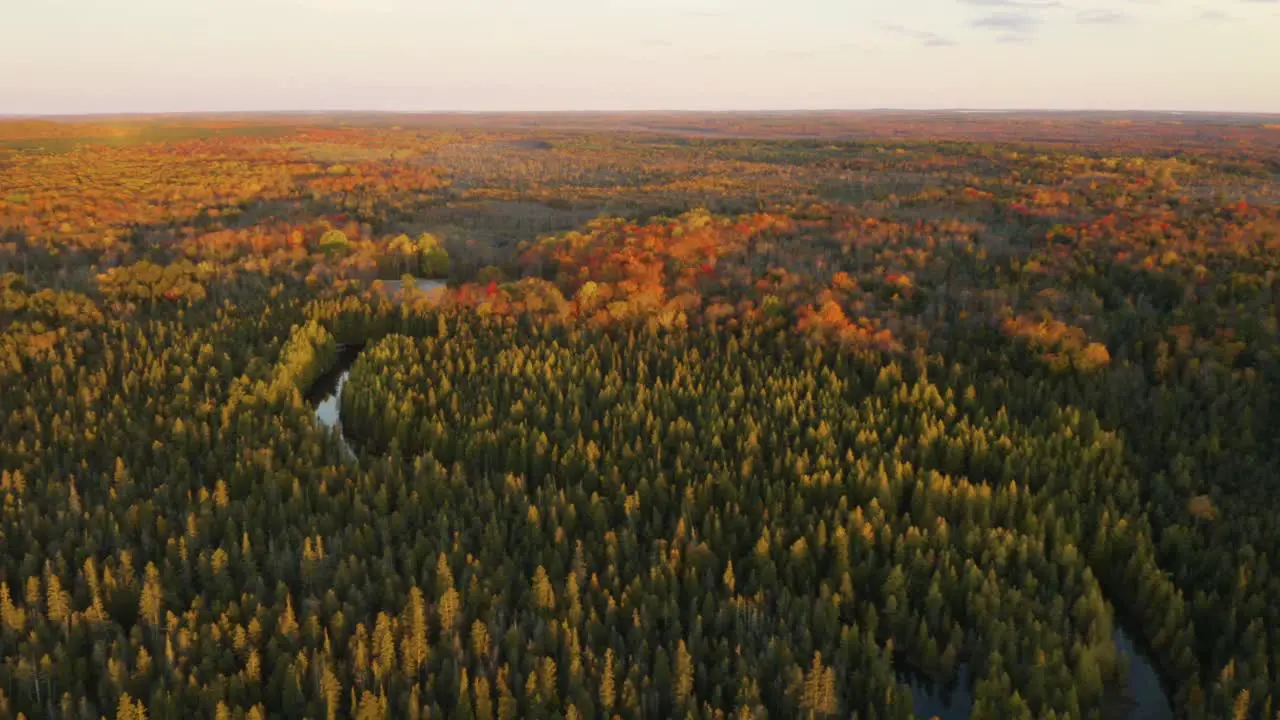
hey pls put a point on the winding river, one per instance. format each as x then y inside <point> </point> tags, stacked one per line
<point>1143,696</point>
<point>325,395</point>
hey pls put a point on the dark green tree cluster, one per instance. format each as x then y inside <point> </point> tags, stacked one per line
<point>769,478</point>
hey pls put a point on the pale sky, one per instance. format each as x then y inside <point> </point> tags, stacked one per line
<point>77,56</point>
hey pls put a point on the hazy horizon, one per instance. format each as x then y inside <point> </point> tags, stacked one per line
<point>70,57</point>
<point>267,113</point>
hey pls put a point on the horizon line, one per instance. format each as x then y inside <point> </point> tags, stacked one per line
<point>632,111</point>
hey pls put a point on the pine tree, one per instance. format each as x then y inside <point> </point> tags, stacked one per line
<point>449,610</point>
<point>359,649</point>
<point>479,640</point>
<point>1240,711</point>
<point>384,648</point>
<point>33,595</point>
<point>606,681</point>
<point>547,683</point>
<point>253,668</point>
<point>371,707</point>
<point>830,699</point>
<point>508,709</point>
<point>811,699</point>
<point>150,603</point>
<point>630,697</point>
<point>97,612</point>
<point>11,615</point>
<point>331,691</point>
<point>484,702</point>
<point>124,709</point>
<point>288,624</point>
<point>464,709</point>
<point>575,601</point>
<point>444,576</point>
<point>58,602</point>
<point>416,620</point>
<point>684,675</point>
<point>544,596</point>
<point>416,710</point>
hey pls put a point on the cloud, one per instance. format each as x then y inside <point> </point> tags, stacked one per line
<point>1011,22</point>
<point>1102,17</point>
<point>1015,20</point>
<point>926,38</point>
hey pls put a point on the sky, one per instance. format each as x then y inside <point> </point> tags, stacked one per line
<point>109,56</point>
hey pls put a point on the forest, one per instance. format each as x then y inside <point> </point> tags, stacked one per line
<point>857,415</point>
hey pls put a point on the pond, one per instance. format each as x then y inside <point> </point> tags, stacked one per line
<point>425,285</point>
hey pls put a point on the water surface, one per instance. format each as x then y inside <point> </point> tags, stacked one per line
<point>326,396</point>
<point>1141,697</point>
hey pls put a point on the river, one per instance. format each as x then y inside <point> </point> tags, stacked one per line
<point>1143,696</point>
<point>1146,697</point>
<point>325,395</point>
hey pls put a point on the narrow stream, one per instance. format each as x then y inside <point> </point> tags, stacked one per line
<point>1146,696</point>
<point>325,395</point>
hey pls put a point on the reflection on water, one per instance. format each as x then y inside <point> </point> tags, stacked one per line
<point>326,396</point>
<point>1145,695</point>
<point>424,285</point>
<point>328,409</point>
<point>948,701</point>
<point>326,393</point>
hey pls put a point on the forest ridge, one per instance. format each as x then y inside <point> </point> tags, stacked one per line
<point>716,415</point>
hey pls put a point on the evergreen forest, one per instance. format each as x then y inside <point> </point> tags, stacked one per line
<point>873,416</point>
